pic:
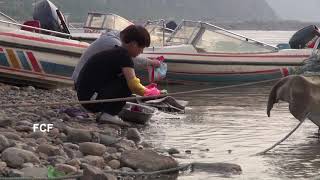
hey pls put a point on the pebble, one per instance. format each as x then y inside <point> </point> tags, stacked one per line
<point>65,168</point>
<point>173,151</point>
<point>90,148</point>
<point>4,143</point>
<point>114,164</point>
<point>6,122</point>
<point>95,161</point>
<point>48,149</point>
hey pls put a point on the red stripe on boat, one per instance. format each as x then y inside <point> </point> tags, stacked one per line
<point>285,71</point>
<point>219,73</point>
<point>34,62</point>
<point>43,40</point>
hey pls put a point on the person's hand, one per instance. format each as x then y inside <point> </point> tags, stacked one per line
<point>154,62</point>
<point>151,90</point>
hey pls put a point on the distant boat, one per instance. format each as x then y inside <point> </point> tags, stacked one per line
<point>97,23</point>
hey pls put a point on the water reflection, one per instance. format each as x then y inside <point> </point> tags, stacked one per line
<point>231,125</point>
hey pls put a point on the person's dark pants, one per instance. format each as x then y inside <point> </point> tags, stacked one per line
<point>116,89</point>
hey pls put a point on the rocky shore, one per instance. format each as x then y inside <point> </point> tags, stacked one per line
<point>75,145</point>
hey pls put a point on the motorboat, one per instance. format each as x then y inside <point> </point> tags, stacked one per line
<point>39,52</point>
<point>200,52</point>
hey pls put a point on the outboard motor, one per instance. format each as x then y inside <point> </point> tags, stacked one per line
<point>49,16</point>
<point>304,38</point>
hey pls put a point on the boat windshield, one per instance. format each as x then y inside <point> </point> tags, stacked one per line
<point>212,39</point>
<point>158,33</point>
<point>100,21</point>
<point>184,33</point>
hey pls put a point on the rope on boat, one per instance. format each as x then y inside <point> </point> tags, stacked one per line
<point>283,139</point>
<point>132,98</point>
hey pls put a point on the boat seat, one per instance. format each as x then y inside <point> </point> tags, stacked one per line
<point>33,23</point>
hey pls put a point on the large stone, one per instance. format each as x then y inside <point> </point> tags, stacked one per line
<point>90,148</point>
<point>147,160</point>
<point>15,157</point>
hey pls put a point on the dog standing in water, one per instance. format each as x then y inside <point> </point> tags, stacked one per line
<point>303,95</point>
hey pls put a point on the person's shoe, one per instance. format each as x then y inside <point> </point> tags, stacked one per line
<point>105,118</point>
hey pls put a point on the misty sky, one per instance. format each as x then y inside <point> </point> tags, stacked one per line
<point>303,10</point>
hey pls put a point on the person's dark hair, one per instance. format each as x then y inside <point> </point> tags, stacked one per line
<point>136,33</point>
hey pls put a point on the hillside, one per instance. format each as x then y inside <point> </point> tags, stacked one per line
<point>220,10</point>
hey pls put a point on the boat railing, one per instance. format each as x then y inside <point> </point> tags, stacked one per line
<point>203,24</point>
<point>49,32</point>
<point>8,17</point>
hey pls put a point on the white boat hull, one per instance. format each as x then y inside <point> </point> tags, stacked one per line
<point>220,68</point>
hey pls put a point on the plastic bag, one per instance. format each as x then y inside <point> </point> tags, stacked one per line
<point>159,73</point>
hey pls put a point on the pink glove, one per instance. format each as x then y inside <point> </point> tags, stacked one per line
<point>152,90</point>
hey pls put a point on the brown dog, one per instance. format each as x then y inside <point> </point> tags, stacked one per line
<point>303,95</point>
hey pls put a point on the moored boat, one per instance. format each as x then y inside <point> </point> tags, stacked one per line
<point>32,55</point>
<point>199,52</point>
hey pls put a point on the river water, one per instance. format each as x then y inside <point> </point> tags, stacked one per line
<point>230,126</point>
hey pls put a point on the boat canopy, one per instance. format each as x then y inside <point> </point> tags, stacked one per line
<point>103,21</point>
<point>209,38</point>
